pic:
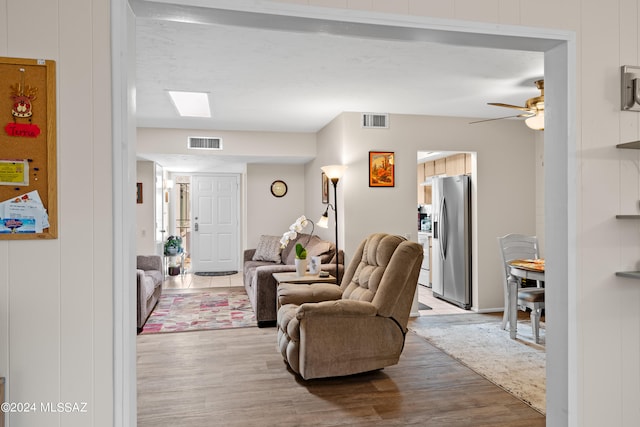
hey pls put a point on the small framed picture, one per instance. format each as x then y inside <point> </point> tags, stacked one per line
<point>325,188</point>
<point>381,169</point>
<point>139,192</point>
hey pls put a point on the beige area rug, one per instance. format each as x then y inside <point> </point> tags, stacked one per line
<point>518,366</point>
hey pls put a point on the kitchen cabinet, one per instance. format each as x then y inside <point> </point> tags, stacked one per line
<point>421,187</point>
<point>455,165</point>
<point>429,168</point>
<point>425,170</point>
<point>427,194</point>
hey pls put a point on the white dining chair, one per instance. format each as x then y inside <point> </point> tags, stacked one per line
<point>518,246</point>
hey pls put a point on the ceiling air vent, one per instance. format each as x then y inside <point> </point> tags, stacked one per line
<point>204,143</point>
<point>378,121</point>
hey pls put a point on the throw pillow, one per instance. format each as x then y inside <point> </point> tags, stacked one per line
<point>318,247</point>
<point>268,249</point>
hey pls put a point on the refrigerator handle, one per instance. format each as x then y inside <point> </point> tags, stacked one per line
<point>442,232</point>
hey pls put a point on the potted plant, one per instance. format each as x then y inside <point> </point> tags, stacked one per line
<point>301,251</point>
<point>173,246</point>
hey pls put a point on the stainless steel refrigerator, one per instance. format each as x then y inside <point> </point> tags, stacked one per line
<point>451,201</point>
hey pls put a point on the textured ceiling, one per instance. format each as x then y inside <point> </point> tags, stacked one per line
<point>301,75</point>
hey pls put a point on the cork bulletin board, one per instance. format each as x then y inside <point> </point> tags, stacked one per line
<point>28,185</point>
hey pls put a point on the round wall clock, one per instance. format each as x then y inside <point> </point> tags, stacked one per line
<point>278,188</point>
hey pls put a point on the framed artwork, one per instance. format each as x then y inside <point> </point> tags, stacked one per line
<point>325,188</point>
<point>381,169</point>
<point>139,192</point>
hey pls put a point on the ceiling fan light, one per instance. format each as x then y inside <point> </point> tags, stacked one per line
<point>536,122</point>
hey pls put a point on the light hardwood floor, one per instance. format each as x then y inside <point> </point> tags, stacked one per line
<point>191,281</point>
<point>237,378</point>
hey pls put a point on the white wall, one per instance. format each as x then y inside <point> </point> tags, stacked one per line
<point>145,211</point>
<point>330,148</point>
<point>271,215</point>
<point>504,185</point>
<point>260,157</point>
<point>56,315</point>
<point>539,162</point>
<point>268,146</point>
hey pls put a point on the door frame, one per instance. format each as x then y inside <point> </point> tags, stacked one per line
<point>559,48</point>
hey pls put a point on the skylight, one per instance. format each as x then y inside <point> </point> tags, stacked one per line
<point>191,104</point>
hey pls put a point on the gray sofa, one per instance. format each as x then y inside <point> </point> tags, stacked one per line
<point>149,283</point>
<point>268,258</point>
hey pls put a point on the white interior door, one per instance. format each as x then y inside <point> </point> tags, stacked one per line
<point>215,223</point>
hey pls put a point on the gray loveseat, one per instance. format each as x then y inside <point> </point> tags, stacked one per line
<point>268,258</point>
<point>149,285</point>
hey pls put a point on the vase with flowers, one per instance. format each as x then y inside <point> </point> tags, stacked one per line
<point>301,251</point>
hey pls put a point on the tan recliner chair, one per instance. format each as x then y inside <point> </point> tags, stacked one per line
<point>326,330</point>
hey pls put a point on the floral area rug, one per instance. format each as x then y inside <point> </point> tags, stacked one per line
<point>202,309</point>
<point>518,366</point>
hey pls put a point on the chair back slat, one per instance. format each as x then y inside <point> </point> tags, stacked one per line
<point>516,246</point>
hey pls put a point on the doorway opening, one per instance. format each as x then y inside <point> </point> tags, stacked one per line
<point>434,165</point>
<point>559,48</point>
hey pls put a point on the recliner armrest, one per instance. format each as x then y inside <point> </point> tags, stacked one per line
<point>291,293</point>
<point>336,308</point>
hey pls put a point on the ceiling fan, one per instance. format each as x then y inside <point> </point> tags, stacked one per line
<point>533,109</point>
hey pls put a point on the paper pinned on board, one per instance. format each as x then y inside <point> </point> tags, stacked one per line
<point>14,172</point>
<point>23,214</point>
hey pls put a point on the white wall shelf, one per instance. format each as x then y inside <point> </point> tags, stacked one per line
<point>633,145</point>
<point>629,274</point>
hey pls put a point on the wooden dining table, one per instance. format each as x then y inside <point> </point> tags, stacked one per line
<point>529,269</point>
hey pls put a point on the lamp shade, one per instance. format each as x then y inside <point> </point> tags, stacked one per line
<point>334,171</point>
<point>323,222</point>
<point>536,122</point>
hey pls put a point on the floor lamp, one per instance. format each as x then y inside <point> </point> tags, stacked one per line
<point>334,173</point>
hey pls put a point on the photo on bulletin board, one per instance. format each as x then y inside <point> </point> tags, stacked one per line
<point>381,169</point>
<point>28,176</point>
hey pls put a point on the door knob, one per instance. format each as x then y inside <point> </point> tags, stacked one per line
<point>196,227</point>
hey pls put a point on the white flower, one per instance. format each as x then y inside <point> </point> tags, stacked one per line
<point>294,229</point>
<point>299,224</point>
<point>289,235</point>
